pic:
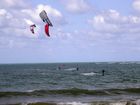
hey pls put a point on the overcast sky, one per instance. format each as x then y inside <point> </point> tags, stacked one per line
<point>83,31</point>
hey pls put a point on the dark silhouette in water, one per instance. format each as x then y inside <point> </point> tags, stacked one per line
<point>77,68</point>
<point>103,72</point>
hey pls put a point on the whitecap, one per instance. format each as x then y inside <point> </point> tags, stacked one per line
<point>71,69</point>
<point>118,103</point>
<point>72,103</point>
<point>89,74</point>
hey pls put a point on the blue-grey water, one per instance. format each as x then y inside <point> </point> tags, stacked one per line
<point>63,81</point>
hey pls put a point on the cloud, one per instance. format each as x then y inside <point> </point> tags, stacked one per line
<point>28,21</point>
<point>6,42</point>
<point>114,23</point>
<point>76,6</point>
<point>12,25</point>
<point>53,13</point>
<point>136,5</point>
<point>16,17</point>
<point>110,29</point>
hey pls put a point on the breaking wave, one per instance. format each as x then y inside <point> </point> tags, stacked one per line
<point>73,91</point>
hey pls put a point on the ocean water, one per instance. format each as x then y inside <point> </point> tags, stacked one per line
<point>63,83</point>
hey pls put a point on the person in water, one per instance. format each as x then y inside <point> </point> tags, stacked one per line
<point>77,68</point>
<point>103,72</point>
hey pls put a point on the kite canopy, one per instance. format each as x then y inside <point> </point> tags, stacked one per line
<point>47,30</point>
<point>32,28</point>
<point>45,18</point>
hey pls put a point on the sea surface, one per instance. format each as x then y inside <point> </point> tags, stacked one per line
<point>70,83</point>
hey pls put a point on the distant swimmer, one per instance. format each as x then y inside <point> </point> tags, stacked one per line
<point>103,72</point>
<point>77,68</point>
